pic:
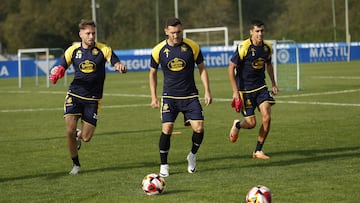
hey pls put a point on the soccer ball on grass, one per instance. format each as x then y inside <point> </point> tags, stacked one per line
<point>153,184</point>
<point>259,194</point>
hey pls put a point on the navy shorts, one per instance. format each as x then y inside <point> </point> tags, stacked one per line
<point>253,99</point>
<point>189,106</point>
<point>86,109</point>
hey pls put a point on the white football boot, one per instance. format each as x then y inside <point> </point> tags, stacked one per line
<point>75,170</point>
<point>164,170</point>
<point>191,162</point>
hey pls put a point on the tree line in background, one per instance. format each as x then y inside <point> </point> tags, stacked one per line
<point>133,24</point>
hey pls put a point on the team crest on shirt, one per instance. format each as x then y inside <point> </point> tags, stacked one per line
<point>183,48</point>
<point>87,66</point>
<point>266,49</point>
<point>95,52</point>
<point>177,64</point>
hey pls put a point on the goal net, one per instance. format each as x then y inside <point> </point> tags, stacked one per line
<point>208,36</point>
<point>43,59</point>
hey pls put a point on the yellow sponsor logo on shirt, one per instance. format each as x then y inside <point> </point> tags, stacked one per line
<point>87,66</point>
<point>258,63</point>
<point>176,64</point>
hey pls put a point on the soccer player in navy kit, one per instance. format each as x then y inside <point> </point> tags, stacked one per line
<point>247,77</point>
<point>177,57</point>
<point>86,90</point>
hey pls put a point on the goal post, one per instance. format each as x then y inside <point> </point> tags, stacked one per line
<point>42,62</point>
<point>287,64</point>
<point>207,31</point>
<point>37,50</point>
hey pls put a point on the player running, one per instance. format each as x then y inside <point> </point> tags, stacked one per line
<point>247,77</point>
<point>86,90</point>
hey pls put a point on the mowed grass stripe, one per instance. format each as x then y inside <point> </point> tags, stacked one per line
<point>215,100</point>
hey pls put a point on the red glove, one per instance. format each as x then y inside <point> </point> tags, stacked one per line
<point>237,104</point>
<point>56,73</point>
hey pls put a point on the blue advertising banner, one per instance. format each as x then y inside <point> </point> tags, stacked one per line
<point>215,56</point>
<point>318,52</point>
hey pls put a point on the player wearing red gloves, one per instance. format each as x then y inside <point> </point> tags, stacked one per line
<point>86,90</point>
<point>56,73</point>
<point>247,77</point>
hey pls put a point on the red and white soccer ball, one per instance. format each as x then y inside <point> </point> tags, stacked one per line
<point>153,184</point>
<point>259,194</point>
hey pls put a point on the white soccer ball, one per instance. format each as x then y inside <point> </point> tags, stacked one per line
<point>153,184</point>
<point>259,194</point>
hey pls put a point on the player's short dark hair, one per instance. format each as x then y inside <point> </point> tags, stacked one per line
<point>84,22</point>
<point>172,22</point>
<point>256,23</point>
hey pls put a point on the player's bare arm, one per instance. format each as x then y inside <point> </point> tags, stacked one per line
<point>205,80</point>
<point>153,85</point>
<point>270,70</point>
<point>231,72</point>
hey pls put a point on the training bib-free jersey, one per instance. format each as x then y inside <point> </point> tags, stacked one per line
<point>89,65</point>
<point>251,61</point>
<point>177,64</point>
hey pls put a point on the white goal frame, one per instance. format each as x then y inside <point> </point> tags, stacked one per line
<point>37,50</point>
<point>47,62</point>
<point>297,58</point>
<point>210,29</point>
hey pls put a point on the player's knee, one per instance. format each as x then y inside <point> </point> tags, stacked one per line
<point>86,138</point>
<point>250,123</point>
<point>266,119</point>
<point>199,128</point>
<point>167,129</point>
<point>71,132</point>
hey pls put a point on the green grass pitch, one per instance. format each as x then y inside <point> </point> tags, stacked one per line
<point>314,143</point>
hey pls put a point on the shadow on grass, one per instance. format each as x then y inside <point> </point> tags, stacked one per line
<point>314,155</point>
<point>309,156</point>
<point>56,175</point>
<point>63,137</point>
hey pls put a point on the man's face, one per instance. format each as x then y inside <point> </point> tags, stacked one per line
<point>257,33</point>
<point>175,34</point>
<point>87,36</point>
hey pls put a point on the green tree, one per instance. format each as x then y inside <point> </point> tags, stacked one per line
<point>126,25</point>
<point>132,24</point>
<point>312,21</point>
<point>42,23</point>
